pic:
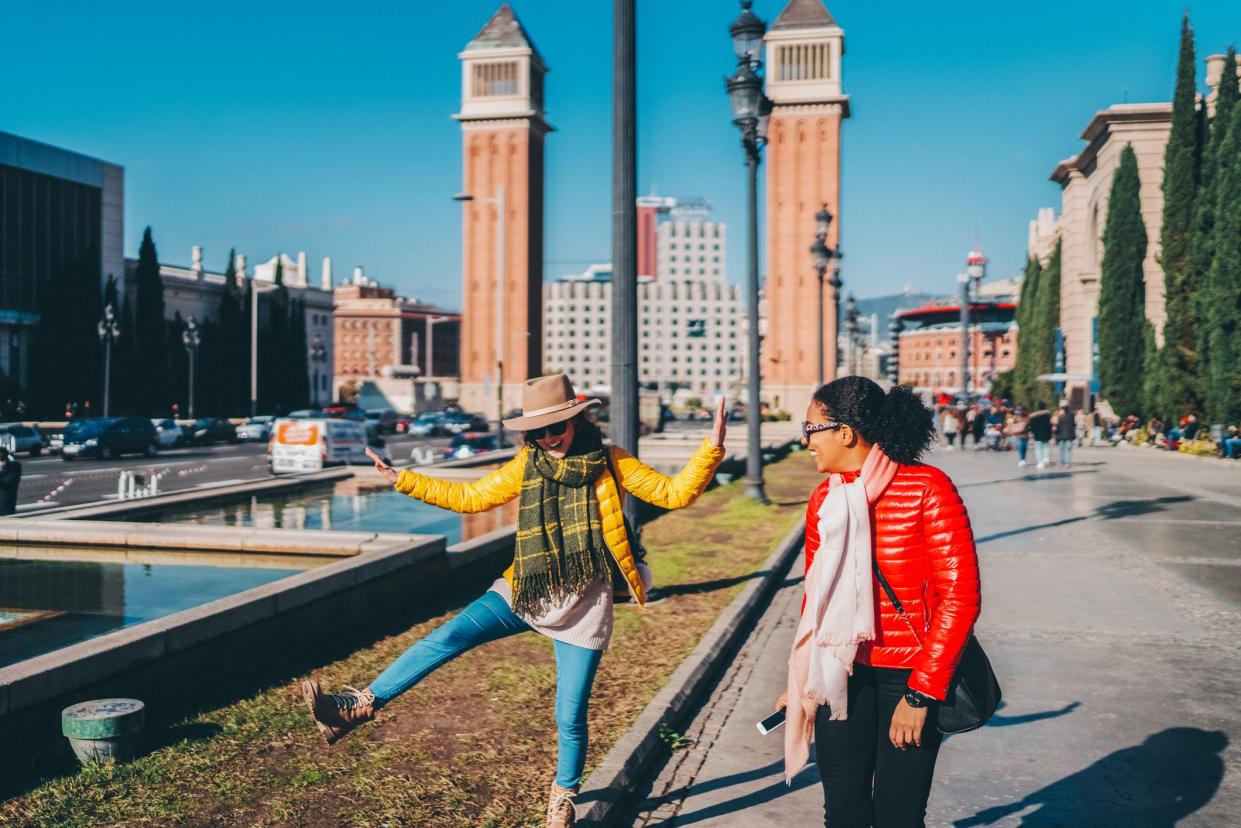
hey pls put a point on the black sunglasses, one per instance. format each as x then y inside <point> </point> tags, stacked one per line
<point>555,430</point>
<point>808,428</point>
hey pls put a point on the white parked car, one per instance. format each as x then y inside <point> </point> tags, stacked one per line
<point>170,434</point>
<point>255,428</point>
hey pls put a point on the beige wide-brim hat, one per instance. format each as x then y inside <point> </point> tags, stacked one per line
<point>547,400</point>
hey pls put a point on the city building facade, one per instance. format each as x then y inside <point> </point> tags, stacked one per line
<point>194,291</point>
<point>691,333</point>
<point>804,50</point>
<point>62,233</point>
<point>503,132</point>
<point>1086,181</point>
<point>929,356</point>
<point>399,353</point>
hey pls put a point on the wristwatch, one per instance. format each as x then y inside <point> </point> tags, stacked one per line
<point>915,699</point>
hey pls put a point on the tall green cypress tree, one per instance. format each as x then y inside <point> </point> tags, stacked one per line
<point>1122,292</point>
<point>1223,323</point>
<point>229,335</point>
<point>1047,320</point>
<point>1179,394</point>
<point>298,356</point>
<point>1202,241</point>
<point>150,331</point>
<point>1027,332</point>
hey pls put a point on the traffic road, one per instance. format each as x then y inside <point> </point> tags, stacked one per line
<point>49,481</point>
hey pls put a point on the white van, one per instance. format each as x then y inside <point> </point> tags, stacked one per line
<point>298,445</point>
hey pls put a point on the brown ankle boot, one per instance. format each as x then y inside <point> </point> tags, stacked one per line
<point>561,812</point>
<point>338,713</point>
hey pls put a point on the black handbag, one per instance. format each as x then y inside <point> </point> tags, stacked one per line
<point>974,693</point>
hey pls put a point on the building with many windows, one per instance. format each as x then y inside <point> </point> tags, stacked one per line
<point>400,353</point>
<point>691,333</point>
<point>62,232</point>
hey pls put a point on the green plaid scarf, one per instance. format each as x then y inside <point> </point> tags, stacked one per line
<point>560,545</point>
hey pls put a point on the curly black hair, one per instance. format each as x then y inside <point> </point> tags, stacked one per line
<point>587,436</point>
<point>896,421</point>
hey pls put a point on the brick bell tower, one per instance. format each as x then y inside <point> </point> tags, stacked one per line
<point>502,131</point>
<point>803,54</point>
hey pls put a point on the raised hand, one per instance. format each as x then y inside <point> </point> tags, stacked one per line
<point>719,427</point>
<point>382,467</point>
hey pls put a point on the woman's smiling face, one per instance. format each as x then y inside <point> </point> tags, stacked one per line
<point>827,447</point>
<point>557,445</point>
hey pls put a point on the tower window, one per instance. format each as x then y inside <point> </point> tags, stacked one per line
<point>803,61</point>
<point>494,79</point>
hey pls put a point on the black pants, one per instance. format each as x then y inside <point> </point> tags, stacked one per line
<point>867,781</point>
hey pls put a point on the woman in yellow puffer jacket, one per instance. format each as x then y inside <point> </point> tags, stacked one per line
<point>570,532</point>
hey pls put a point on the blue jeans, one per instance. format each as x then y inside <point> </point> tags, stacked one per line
<point>487,619</point>
<point>1023,444</point>
<point>1066,452</point>
<point>1041,452</point>
<point>1232,447</point>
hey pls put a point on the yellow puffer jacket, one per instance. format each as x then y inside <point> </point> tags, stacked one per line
<point>637,478</point>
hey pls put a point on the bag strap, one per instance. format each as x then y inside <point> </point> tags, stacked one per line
<point>896,602</point>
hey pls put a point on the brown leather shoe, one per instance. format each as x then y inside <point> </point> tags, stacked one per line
<point>336,714</point>
<point>561,811</point>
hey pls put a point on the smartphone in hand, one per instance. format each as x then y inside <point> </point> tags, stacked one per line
<point>771,722</point>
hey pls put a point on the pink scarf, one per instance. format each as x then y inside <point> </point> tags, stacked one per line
<point>840,606</point>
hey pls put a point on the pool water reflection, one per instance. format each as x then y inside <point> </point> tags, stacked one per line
<point>49,604</point>
<point>347,506</point>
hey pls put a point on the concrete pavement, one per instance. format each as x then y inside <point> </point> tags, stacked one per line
<point>1111,614</point>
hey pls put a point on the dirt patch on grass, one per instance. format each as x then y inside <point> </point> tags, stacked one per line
<point>472,745</point>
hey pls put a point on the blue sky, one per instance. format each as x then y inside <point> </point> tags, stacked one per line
<point>247,125</point>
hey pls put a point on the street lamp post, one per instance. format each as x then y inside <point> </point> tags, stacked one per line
<point>501,202</point>
<point>109,330</point>
<point>191,339</point>
<point>851,326</point>
<point>975,269</point>
<point>255,292</point>
<point>822,255</point>
<point>751,110</point>
<point>318,354</point>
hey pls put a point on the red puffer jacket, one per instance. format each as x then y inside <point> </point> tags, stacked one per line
<point>925,547</point>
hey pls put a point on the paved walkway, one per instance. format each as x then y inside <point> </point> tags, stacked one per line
<point>1111,613</point>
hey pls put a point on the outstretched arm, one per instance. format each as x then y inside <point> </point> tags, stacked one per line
<point>494,489</point>
<point>683,488</point>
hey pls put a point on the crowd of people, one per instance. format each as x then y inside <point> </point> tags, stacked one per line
<point>998,425</point>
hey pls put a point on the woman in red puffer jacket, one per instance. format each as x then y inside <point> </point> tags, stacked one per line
<point>877,764</point>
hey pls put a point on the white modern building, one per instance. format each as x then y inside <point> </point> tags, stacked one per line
<point>195,291</point>
<point>691,333</point>
<point>690,245</point>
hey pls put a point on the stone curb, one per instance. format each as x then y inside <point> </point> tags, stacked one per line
<point>606,794</point>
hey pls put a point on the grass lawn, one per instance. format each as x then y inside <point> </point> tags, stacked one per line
<point>473,745</point>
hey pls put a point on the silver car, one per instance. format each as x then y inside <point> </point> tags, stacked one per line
<point>255,428</point>
<point>170,434</point>
<point>17,438</point>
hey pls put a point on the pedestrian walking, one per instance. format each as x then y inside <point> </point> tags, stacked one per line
<point>570,535</point>
<point>1040,433</point>
<point>950,425</point>
<point>10,481</point>
<point>1066,433</point>
<point>1096,428</point>
<point>978,426</point>
<point>863,679</point>
<point>1019,432</point>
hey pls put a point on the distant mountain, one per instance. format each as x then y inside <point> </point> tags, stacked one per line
<point>885,306</point>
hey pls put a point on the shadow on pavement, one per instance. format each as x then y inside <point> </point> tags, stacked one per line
<point>1155,784</point>
<point>805,779</point>
<point>1108,511</point>
<point>1009,721</point>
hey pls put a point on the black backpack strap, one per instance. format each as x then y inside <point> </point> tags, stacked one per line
<point>896,602</point>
